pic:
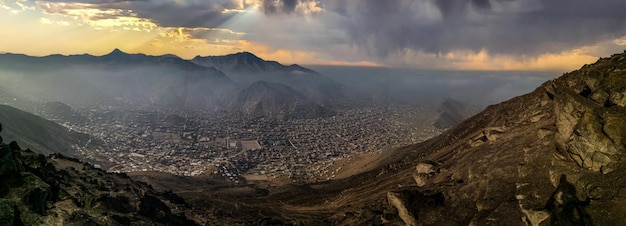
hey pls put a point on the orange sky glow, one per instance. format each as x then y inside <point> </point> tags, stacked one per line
<point>45,28</point>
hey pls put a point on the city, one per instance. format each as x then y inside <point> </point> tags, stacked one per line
<point>220,143</point>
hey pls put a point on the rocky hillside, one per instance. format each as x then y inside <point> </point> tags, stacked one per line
<point>553,156</point>
<point>56,190</point>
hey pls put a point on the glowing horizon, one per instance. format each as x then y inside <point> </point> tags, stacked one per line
<point>308,33</point>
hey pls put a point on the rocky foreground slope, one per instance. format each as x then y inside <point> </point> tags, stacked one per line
<point>553,156</point>
<point>55,190</point>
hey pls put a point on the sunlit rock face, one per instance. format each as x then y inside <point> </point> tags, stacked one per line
<point>552,157</point>
<point>589,108</point>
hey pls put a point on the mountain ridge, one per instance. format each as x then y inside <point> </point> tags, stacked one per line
<point>246,62</point>
<point>119,76</point>
<point>167,79</point>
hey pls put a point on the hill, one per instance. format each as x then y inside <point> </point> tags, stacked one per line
<point>39,134</point>
<point>62,112</point>
<point>56,190</point>
<point>246,68</point>
<point>451,113</point>
<point>277,101</point>
<point>246,62</point>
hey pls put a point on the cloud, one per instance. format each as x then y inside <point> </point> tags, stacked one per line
<point>522,27</point>
<point>483,60</point>
<point>166,13</point>
<point>210,35</point>
<point>300,7</point>
<point>98,16</point>
<point>461,34</point>
<point>16,6</point>
<point>188,13</point>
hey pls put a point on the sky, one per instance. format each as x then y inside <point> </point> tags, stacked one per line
<point>544,35</point>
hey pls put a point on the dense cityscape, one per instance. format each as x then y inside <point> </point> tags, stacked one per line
<point>236,147</point>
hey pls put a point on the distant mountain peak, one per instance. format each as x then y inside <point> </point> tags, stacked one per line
<point>247,62</point>
<point>246,57</point>
<point>117,51</point>
<point>169,55</point>
<point>245,53</point>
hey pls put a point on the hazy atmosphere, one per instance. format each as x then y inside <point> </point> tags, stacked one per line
<point>313,112</point>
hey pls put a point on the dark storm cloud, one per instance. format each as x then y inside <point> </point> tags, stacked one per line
<point>279,6</point>
<point>500,26</point>
<point>190,14</point>
<point>385,27</point>
<point>273,6</point>
<point>168,13</point>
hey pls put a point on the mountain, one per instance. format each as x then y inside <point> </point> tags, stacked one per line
<point>119,77</point>
<point>56,190</point>
<point>245,62</point>
<point>277,101</point>
<point>551,157</point>
<point>451,113</point>
<point>39,134</point>
<point>115,77</point>
<point>59,111</point>
<point>246,68</point>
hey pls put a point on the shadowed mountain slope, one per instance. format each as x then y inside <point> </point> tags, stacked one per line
<point>116,77</point>
<point>246,69</point>
<point>56,190</point>
<point>39,134</point>
<point>245,62</point>
<point>276,100</point>
<point>451,113</point>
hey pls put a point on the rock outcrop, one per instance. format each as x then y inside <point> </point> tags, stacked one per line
<point>56,190</point>
<point>589,109</point>
<point>552,157</point>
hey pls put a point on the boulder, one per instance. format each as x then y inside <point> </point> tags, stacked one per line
<point>9,214</point>
<point>403,212</point>
<point>425,168</point>
<point>618,98</point>
<point>589,132</point>
<point>8,165</point>
<point>34,193</point>
<point>420,180</point>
